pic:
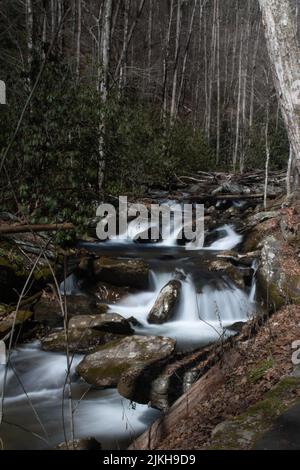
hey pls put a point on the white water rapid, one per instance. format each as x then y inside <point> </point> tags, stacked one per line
<point>208,304</point>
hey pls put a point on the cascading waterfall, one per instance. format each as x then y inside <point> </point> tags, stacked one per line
<point>201,317</point>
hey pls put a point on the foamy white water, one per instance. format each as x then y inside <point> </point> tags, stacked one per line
<point>103,414</point>
<point>200,318</point>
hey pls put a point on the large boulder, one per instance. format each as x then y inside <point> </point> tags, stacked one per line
<point>79,341</point>
<point>259,230</point>
<point>122,272</point>
<point>104,367</point>
<point>165,304</point>
<point>48,312</point>
<point>86,332</point>
<point>109,323</point>
<point>237,275</point>
<point>278,275</point>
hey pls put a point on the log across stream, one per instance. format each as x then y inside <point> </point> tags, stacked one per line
<point>35,413</point>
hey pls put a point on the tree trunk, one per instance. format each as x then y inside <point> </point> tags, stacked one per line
<point>166,61</point>
<point>176,60</point>
<point>78,39</point>
<point>29,29</point>
<point>285,60</point>
<point>103,88</point>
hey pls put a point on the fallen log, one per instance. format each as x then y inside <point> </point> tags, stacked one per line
<point>7,229</point>
<point>229,197</point>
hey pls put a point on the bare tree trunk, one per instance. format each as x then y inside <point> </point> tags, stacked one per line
<point>238,108</point>
<point>166,60</point>
<point>103,87</point>
<point>150,32</point>
<point>176,61</point>
<point>253,68</point>
<point>29,29</point>
<point>78,39</point>
<point>212,66</point>
<point>129,38</point>
<point>285,59</point>
<point>52,13</point>
<point>218,82</point>
<point>122,78</point>
<point>185,56</point>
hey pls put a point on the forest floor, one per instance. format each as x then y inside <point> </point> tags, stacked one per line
<point>264,361</point>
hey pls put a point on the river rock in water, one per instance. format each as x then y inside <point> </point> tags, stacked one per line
<point>48,312</point>
<point>108,293</point>
<point>80,341</point>
<point>122,272</point>
<point>105,366</point>
<point>165,303</point>
<point>110,323</point>
<point>84,335</point>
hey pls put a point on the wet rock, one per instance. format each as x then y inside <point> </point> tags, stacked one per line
<point>10,319</point>
<point>237,326</point>
<point>48,312</point>
<point>122,272</point>
<point>80,444</point>
<point>109,293</point>
<point>162,382</point>
<point>110,323</point>
<point>79,340</point>
<point>233,272</point>
<point>165,304</point>
<point>134,322</point>
<point>104,367</point>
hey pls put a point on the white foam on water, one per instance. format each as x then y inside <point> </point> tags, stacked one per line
<point>103,414</point>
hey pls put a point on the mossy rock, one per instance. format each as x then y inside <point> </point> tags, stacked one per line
<point>79,341</point>
<point>104,367</point>
<point>243,431</point>
<point>122,272</point>
<point>276,286</point>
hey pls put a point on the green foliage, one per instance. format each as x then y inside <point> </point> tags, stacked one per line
<point>142,152</point>
<point>53,164</point>
<point>279,146</point>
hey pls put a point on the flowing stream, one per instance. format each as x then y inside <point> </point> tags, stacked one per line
<point>36,410</point>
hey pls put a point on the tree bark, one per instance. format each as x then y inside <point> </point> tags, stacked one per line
<point>103,87</point>
<point>6,229</point>
<point>176,60</point>
<point>284,56</point>
<point>29,29</point>
<point>78,39</point>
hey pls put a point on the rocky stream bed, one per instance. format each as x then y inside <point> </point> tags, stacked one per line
<point>141,322</point>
